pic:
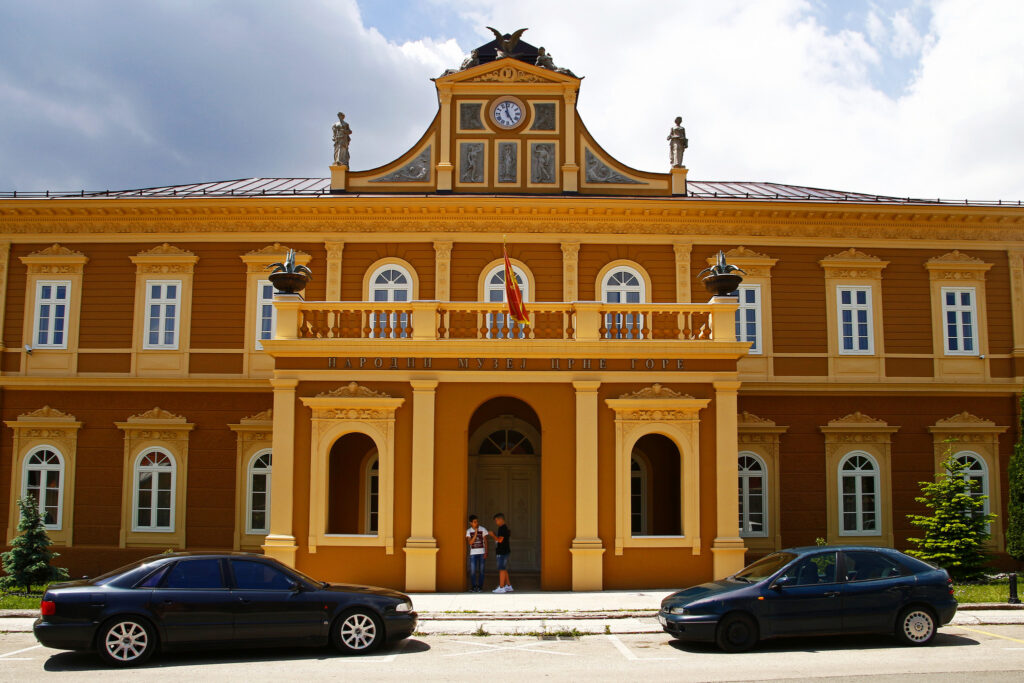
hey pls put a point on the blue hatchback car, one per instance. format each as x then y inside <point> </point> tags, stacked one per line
<point>815,591</point>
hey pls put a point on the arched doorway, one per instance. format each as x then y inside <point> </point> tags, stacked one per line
<point>353,493</point>
<point>504,476</point>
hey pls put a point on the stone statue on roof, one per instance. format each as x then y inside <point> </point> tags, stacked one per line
<point>506,43</point>
<point>469,62</point>
<point>677,143</point>
<point>342,134</point>
<point>546,61</point>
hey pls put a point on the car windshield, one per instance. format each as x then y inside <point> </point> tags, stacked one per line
<point>765,567</point>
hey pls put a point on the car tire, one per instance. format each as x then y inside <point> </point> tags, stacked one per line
<point>736,633</point>
<point>916,626</point>
<point>126,641</point>
<point>357,632</point>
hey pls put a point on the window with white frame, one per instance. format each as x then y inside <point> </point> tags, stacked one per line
<point>372,484</point>
<point>494,290</point>
<point>52,299</point>
<point>748,316</point>
<point>623,285</point>
<point>960,315</point>
<point>257,512</point>
<point>390,283</point>
<point>753,495</point>
<point>153,497</point>
<point>855,321</point>
<point>976,472</point>
<point>637,497</point>
<point>43,482</point>
<point>163,304</point>
<point>859,503</point>
<point>266,314</point>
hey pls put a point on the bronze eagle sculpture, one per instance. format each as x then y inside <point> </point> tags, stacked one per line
<point>506,45</point>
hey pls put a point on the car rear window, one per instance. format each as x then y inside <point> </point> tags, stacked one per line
<point>195,574</point>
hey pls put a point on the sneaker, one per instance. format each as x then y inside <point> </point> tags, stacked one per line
<point>508,589</point>
<point>499,589</point>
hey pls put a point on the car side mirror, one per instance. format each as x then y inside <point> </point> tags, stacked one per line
<point>295,586</point>
<point>782,582</point>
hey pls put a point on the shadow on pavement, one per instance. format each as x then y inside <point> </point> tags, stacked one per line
<point>825,644</point>
<point>88,661</point>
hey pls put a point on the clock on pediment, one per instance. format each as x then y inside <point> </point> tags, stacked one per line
<point>507,112</point>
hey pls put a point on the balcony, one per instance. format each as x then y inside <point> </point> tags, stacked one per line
<point>581,321</point>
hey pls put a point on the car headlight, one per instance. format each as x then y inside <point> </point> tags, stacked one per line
<point>677,609</point>
<point>403,607</point>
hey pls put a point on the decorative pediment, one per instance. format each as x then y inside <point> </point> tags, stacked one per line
<point>956,265</point>
<point>56,250</point>
<point>745,418</point>
<point>857,428</point>
<point>46,413</point>
<point>856,418</point>
<point>965,427</point>
<point>754,263</point>
<point>157,414</point>
<point>852,264</point>
<point>964,418</point>
<point>655,391</point>
<point>263,416</point>
<point>274,250</point>
<point>742,253</point>
<point>165,249</point>
<point>851,254</point>
<point>955,256</point>
<point>506,71</point>
<point>353,390</point>
<point>256,261</point>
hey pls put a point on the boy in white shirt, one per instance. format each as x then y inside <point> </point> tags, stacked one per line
<point>476,539</point>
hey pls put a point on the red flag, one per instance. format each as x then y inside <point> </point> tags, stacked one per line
<point>513,295</point>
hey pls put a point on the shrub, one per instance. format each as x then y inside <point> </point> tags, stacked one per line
<point>27,563</point>
<point>1015,505</point>
<point>956,530</point>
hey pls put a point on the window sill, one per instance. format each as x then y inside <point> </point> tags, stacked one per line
<point>352,540</point>
<point>658,542</point>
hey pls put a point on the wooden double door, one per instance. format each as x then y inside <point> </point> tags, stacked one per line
<point>510,485</point>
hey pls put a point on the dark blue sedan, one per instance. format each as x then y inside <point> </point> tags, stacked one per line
<point>815,591</point>
<point>191,600</point>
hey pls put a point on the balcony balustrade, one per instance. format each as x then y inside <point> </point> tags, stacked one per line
<point>434,320</point>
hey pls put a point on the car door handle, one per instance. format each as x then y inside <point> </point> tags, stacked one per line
<point>244,601</point>
<point>832,594</point>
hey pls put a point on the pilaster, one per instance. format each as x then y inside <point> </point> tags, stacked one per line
<point>587,549</point>
<point>334,252</point>
<point>280,542</point>
<point>728,549</point>
<point>570,169</point>
<point>1016,297</point>
<point>682,252</point>
<point>444,159</point>
<point>421,547</point>
<point>570,271</point>
<point>443,270</point>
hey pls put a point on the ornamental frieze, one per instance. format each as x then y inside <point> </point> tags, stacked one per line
<point>353,390</point>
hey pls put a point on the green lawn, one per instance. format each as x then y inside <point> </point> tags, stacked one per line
<point>990,591</point>
<point>19,601</point>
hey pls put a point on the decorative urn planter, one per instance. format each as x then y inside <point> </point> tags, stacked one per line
<point>288,277</point>
<point>289,283</point>
<point>722,285</point>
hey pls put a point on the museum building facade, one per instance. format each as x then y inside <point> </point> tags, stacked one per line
<point>158,393</point>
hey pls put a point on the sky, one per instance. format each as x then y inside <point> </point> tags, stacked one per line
<point>918,98</point>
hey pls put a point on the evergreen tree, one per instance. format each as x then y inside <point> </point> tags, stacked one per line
<point>27,563</point>
<point>1015,507</point>
<point>956,530</point>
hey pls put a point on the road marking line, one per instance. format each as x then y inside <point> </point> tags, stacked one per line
<point>26,649</point>
<point>994,635</point>
<point>528,647</point>
<point>628,654</point>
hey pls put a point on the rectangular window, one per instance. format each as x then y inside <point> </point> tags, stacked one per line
<point>959,316</point>
<point>52,299</point>
<point>266,316</point>
<point>748,316</point>
<point>162,314</point>
<point>855,324</point>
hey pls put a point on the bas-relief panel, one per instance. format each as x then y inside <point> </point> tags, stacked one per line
<point>417,170</point>
<point>542,162</point>
<point>471,160</point>
<point>507,162</point>
<point>599,172</point>
<point>469,116</point>
<point>544,116</point>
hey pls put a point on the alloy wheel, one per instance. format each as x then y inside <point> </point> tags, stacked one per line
<point>126,641</point>
<point>358,631</point>
<point>918,626</point>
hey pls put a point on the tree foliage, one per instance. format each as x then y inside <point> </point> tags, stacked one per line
<point>956,530</point>
<point>1015,506</point>
<point>27,563</point>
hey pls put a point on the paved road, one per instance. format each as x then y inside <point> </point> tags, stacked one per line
<point>983,653</point>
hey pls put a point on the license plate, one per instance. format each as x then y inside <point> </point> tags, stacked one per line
<point>662,620</point>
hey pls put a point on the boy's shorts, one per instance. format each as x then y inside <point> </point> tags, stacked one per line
<point>502,561</point>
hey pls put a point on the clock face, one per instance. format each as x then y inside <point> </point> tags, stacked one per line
<point>507,114</point>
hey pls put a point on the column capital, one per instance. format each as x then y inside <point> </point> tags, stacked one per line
<point>423,384</point>
<point>586,385</point>
<point>282,384</point>
<point>727,386</point>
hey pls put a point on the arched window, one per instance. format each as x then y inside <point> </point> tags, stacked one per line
<point>494,291</point>
<point>623,285</point>
<point>753,495</point>
<point>155,475</point>
<point>43,481</point>
<point>638,497</point>
<point>506,442</point>
<point>372,494</point>
<point>257,512</point>
<point>975,471</point>
<point>388,284</point>
<point>859,508</point>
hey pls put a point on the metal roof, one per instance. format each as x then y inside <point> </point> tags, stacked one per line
<point>320,187</point>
